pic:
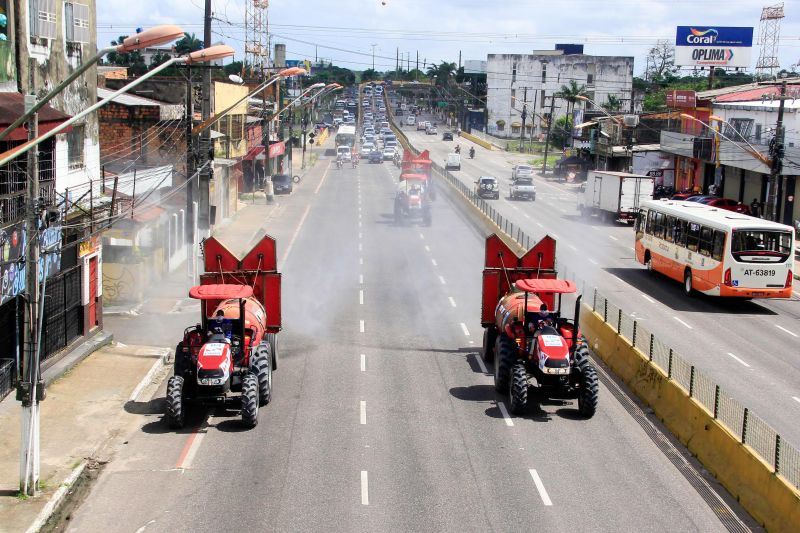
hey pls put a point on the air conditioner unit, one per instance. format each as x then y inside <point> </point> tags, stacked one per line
<point>630,121</point>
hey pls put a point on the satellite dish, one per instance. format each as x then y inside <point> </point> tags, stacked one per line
<point>236,79</point>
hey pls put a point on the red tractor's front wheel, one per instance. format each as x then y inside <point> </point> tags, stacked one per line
<point>518,389</point>
<point>176,416</point>
<point>250,401</point>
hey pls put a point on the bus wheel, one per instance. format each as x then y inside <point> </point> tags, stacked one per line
<point>687,282</point>
<point>648,262</point>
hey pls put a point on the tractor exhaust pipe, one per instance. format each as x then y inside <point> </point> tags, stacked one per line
<point>577,322</point>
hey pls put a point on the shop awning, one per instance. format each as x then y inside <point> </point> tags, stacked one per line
<point>12,106</point>
<point>253,152</point>
<point>515,124</point>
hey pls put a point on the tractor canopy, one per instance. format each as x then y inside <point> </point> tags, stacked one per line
<point>220,292</point>
<point>540,285</point>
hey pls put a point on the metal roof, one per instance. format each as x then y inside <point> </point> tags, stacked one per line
<point>168,111</point>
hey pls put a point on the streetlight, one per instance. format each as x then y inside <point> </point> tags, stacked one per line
<point>29,467</point>
<point>151,37</point>
<point>285,73</point>
<point>211,53</point>
<point>328,89</point>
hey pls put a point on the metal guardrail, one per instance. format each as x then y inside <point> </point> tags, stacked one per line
<point>749,428</point>
<point>6,377</point>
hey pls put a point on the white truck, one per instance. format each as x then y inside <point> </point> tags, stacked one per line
<point>614,195</point>
<point>453,162</point>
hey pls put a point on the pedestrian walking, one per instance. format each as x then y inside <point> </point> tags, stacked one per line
<point>755,208</point>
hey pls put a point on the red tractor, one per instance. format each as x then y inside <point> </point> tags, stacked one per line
<point>527,341</point>
<point>228,358</point>
<point>412,200</point>
<point>419,166</point>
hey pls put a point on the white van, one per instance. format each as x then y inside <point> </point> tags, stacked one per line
<point>343,152</point>
<point>411,120</point>
<point>453,161</point>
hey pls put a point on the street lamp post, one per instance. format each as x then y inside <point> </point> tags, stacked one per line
<point>31,390</point>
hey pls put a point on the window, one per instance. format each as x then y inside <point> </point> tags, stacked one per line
<point>758,132</point>
<point>706,240</point>
<point>541,99</point>
<point>77,22</point>
<point>693,236</point>
<point>679,233</point>
<point>513,97</point>
<point>591,70</point>
<point>761,242</point>
<point>544,72</point>
<point>669,235</point>
<point>738,128</point>
<point>75,147</point>
<point>514,72</point>
<point>651,217</point>
<point>718,247</point>
<point>43,18</point>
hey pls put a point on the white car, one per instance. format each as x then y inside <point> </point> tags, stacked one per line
<point>521,171</point>
<point>388,154</point>
<point>366,148</point>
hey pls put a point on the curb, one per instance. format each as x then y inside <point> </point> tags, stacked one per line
<point>76,355</point>
<point>148,378</point>
<point>55,500</point>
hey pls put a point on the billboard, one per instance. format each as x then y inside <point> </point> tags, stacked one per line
<point>713,46</point>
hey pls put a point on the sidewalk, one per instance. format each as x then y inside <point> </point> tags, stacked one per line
<point>83,410</point>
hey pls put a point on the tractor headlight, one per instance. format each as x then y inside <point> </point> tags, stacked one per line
<point>211,381</point>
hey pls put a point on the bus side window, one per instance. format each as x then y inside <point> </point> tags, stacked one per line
<point>659,230</point>
<point>719,245</point>
<point>706,237</point>
<point>692,236</point>
<point>669,234</point>
<point>651,218</point>
<point>640,223</point>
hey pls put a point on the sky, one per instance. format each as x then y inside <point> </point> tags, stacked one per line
<point>345,31</point>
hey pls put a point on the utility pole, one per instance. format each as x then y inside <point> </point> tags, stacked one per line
<point>776,152</point>
<point>31,390</point>
<point>416,74</point>
<point>397,60</point>
<point>373,55</point>
<point>549,127</point>
<point>524,116</point>
<point>206,147</point>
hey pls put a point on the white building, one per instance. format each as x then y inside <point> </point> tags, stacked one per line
<point>533,78</point>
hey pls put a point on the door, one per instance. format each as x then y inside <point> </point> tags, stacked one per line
<point>598,187</point>
<point>92,292</point>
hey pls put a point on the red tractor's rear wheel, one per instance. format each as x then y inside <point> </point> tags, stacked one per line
<point>588,394</point>
<point>505,357</point>
<point>489,339</point>
<point>261,367</point>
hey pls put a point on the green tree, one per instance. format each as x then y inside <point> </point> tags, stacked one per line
<point>442,74</point>
<point>370,75</point>
<point>612,104</point>
<point>188,44</point>
<point>561,132</point>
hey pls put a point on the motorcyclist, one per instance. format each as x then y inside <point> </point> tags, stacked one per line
<point>472,152</point>
<point>458,149</point>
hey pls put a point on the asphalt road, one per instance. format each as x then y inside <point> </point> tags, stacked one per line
<point>749,348</point>
<point>383,418</point>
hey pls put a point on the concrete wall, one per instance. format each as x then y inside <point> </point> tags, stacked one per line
<point>611,76</point>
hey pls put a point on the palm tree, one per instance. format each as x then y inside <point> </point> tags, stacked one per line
<point>570,93</point>
<point>188,44</point>
<point>612,104</point>
<point>442,74</point>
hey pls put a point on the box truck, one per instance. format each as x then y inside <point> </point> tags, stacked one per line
<point>614,195</point>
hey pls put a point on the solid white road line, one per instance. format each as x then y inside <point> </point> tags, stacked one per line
<point>325,175</point>
<point>742,362</point>
<point>363,415</point>
<point>364,488</point>
<point>464,329</point>
<point>363,362</point>
<point>294,236</point>
<point>361,326</point>
<point>648,299</point>
<point>441,279</point>
<point>504,412</point>
<point>434,262</point>
<point>481,365</point>
<point>786,330</point>
<point>361,297</point>
<point>682,322</point>
<point>452,302</point>
<point>540,487</point>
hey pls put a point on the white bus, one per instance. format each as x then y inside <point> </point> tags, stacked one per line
<point>346,135</point>
<point>716,252</point>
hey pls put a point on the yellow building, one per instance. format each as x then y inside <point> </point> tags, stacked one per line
<point>232,143</point>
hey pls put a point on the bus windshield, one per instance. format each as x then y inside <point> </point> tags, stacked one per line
<point>761,242</point>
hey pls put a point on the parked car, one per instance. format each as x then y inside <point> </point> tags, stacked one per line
<point>521,171</point>
<point>447,136</point>
<point>282,184</point>
<point>487,187</point>
<point>376,156</point>
<point>727,204</point>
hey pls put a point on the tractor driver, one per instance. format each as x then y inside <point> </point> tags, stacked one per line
<point>541,319</point>
<point>220,328</point>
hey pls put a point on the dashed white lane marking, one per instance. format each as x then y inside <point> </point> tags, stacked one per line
<point>452,302</point>
<point>464,329</point>
<point>364,488</point>
<point>427,248</point>
<point>526,215</point>
<point>682,322</point>
<point>739,360</point>
<point>441,279</point>
<point>795,398</point>
<point>361,297</point>
<point>294,235</point>
<point>504,412</point>
<point>363,413</point>
<point>540,487</point>
<point>648,299</point>
<point>572,247</point>
<point>786,330</point>
<point>360,260</point>
<point>361,279</point>
<point>363,362</point>
<point>360,235</point>
<point>359,223</point>
<point>592,261</point>
<point>612,238</point>
<point>360,247</point>
<point>539,224</point>
<point>515,208</point>
<point>361,326</point>
<point>433,261</point>
<point>595,228</point>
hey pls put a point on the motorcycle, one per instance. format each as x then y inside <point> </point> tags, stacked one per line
<point>472,153</point>
<point>339,164</point>
<point>458,149</point>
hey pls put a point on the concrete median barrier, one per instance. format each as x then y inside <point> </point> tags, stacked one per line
<point>767,496</point>
<point>478,141</point>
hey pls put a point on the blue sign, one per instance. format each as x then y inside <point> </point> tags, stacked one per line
<point>714,36</point>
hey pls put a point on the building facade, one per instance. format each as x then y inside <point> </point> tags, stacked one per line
<point>516,79</point>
